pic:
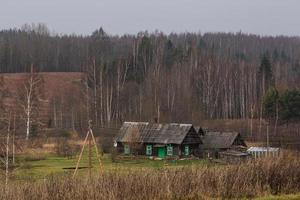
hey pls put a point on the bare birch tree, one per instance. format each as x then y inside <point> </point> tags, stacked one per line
<point>30,98</point>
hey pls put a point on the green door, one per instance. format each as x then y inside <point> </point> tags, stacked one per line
<point>161,152</point>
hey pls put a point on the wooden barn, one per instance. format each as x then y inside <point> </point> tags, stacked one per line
<point>216,142</point>
<point>159,140</point>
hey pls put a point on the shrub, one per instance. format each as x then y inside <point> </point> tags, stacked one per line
<point>65,148</point>
<point>113,154</point>
<point>26,165</point>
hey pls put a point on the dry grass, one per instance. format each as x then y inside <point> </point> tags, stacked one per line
<point>259,178</point>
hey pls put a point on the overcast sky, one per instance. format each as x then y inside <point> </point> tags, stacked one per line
<point>264,17</point>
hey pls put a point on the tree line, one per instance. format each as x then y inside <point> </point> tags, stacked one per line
<point>182,77</point>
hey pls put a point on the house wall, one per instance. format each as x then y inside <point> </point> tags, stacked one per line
<point>136,149</point>
<point>234,159</point>
<point>120,148</point>
<point>178,150</point>
<point>193,149</point>
<point>239,141</point>
<point>192,137</point>
<point>210,153</point>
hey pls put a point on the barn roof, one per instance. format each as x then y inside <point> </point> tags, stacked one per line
<point>234,153</point>
<point>145,132</point>
<point>219,140</point>
<point>200,130</point>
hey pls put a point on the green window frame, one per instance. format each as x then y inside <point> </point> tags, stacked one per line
<point>186,150</point>
<point>126,149</point>
<point>169,150</point>
<point>148,150</point>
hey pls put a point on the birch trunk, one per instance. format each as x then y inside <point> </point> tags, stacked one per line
<point>54,115</point>
<point>276,121</point>
<point>95,92</point>
<point>28,110</point>
<point>87,99</point>
<point>101,98</point>
<point>251,122</point>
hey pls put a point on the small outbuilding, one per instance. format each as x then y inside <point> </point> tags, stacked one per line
<point>259,152</point>
<point>159,140</point>
<point>233,157</point>
<point>216,142</point>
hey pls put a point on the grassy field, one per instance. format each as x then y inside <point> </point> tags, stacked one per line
<point>32,166</point>
<point>43,176</point>
<point>280,197</point>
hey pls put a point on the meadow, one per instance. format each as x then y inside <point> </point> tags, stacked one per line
<point>40,166</point>
<point>44,177</point>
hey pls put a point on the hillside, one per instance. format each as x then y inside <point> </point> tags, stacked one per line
<point>55,86</point>
<point>55,83</point>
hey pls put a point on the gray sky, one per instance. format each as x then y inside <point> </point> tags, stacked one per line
<point>264,17</point>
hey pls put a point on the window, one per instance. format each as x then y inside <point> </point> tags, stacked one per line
<point>186,150</point>
<point>149,150</point>
<point>169,150</point>
<point>126,149</point>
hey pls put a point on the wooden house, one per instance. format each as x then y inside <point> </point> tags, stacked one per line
<point>159,140</point>
<point>216,142</point>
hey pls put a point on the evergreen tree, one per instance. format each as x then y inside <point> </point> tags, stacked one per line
<point>270,103</point>
<point>290,105</point>
<point>265,74</point>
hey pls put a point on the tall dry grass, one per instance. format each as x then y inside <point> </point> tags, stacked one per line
<point>268,176</point>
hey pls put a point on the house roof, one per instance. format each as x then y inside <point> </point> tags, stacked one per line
<point>145,132</point>
<point>219,140</point>
<point>234,153</point>
<point>200,130</point>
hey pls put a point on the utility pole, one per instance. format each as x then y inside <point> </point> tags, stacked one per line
<point>90,153</point>
<point>251,123</point>
<point>89,136</point>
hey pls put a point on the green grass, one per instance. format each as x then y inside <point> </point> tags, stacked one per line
<point>52,164</point>
<point>281,197</point>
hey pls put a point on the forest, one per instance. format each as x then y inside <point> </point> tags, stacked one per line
<point>179,77</point>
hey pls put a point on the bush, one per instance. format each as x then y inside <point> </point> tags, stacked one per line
<point>113,154</point>
<point>65,148</point>
<point>26,166</point>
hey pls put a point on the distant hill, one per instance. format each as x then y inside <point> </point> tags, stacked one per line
<point>56,85</point>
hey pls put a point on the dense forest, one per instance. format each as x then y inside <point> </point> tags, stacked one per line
<point>182,77</point>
